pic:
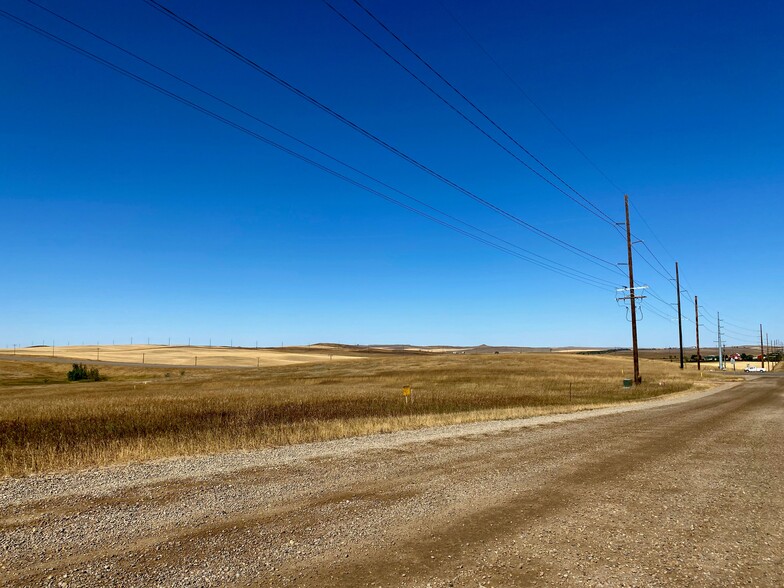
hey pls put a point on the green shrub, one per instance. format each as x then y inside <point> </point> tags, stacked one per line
<point>80,372</point>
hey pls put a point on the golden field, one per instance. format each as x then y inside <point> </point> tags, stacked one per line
<point>142,412</point>
<point>186,355</point>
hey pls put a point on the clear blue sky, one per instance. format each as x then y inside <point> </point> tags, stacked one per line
<point>127,214</point>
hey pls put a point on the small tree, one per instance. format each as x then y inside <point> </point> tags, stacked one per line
<point>80,372</point>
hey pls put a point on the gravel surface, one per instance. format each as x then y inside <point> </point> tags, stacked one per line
<point>682,491</point>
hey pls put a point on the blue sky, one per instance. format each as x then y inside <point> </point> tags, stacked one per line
<point>128,214</point>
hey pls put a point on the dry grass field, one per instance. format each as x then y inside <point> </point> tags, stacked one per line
<point>185,355</point>
<point>141,412</point>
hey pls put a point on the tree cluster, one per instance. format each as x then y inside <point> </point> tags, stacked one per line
<point>81,372</point>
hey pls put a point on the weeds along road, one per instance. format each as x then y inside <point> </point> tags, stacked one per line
<point>684,494</point>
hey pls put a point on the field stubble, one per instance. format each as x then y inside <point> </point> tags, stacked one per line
<point>48,424</point>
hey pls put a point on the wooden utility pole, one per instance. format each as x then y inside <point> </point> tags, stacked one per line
<point>697,328</point>
<point>680,318</point>
<point>632,296</point>
<point>762,349</point>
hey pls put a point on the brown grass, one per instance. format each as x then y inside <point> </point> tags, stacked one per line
<point>48,424</point>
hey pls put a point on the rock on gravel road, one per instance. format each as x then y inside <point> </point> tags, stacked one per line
<point>684,491</point>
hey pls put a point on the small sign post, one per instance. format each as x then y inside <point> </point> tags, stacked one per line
<point>407,394</point>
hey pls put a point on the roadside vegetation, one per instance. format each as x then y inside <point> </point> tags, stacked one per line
<point>134,413</point>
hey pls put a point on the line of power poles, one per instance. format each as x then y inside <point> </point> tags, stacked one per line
<point>632,297</point>
<point>98,343</point>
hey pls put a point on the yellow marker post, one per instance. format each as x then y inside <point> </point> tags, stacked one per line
<point>407,393</point>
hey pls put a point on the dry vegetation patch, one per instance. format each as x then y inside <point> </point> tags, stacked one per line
<point>137,413</point>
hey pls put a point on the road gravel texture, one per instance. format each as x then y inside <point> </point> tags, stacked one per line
<point>683,491</point>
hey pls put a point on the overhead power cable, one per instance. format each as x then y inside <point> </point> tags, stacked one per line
<point>571,273</point>
<point>527,96</point>
<point>645,222</point>
<point>586,203</point>
<point>734,332</point>
<point>755,331</point>
<point>669,319</point>
<point>667,274</point>
<point>307,97</point>
<point>752,331</point>
<point>667,306</point>
<point>686,296</point>
<point>305,144</point>
<point>653,267</point>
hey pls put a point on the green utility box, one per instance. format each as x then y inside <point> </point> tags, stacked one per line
<point>627,383</point>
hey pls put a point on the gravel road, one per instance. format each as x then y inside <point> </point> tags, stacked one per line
<point>684,491</point>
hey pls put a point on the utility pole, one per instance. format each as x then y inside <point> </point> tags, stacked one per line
<point>762,349</point>
<point>767,346</point>
<point>680,316</point>
<point>721,352</point>
<point>632,296</point>
<point>697,328</point>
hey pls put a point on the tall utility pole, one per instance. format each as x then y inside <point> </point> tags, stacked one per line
<point>632,296</point>
<point>721,351</point>
<point>680,316</point>
<point>697,327</point>
<point>767,346</point>
<point>762,349</point>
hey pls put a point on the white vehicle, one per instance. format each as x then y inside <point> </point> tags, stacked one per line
<point>753,368</point>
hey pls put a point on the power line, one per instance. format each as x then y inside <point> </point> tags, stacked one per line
<point>586,204</point>
<point>661,315</point>
<point>307,97</point>
<point>755,331</point>
<point>689,299</point>
<point>308,145</point>
<point>567,271</point>
<point>528,97</point>
<point>642,218</point>
<point>653,267</point>
<point>561,131</point>
<point>669,275</point>
<point>736,334</point>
